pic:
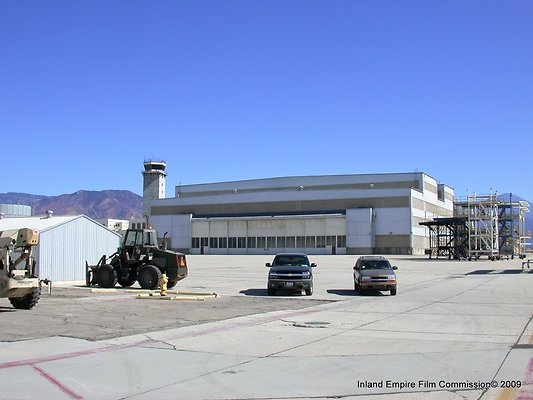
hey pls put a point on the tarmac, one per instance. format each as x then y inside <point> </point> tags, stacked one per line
<point>455,330</point>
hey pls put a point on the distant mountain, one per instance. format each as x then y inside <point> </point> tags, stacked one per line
<point>510,196</point>
<point>120,204</point>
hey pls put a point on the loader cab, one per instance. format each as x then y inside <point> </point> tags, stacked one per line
<point>137,240</point>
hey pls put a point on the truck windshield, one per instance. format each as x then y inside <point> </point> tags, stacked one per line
<point>291,260</point>
<point>375,265</point>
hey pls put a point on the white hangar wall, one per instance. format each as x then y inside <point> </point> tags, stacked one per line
<point>317,234</point>
<point>178,229</point>
<point>347,214</point>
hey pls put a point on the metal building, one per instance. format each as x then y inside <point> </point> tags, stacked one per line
<point>65,243</point>
<point>15,210</point>
<point>336,214</point>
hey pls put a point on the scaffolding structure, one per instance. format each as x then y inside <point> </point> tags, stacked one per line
<point>483,238</point>
<point>448,237</point>
<point>512,227</point>
<point>485,225</point>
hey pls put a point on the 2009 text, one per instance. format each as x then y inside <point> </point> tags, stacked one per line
<point>440,384</point>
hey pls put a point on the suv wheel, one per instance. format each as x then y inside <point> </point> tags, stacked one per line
<point>309,290</point>
<point>271,291</point>
<point>393,292</point>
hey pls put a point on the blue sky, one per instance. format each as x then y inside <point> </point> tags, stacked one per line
<point>229,90</point>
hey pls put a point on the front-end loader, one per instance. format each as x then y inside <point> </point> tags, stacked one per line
<point>141,259</point>
<point>18,279</point>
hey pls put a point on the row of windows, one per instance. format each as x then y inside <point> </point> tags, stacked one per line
<point>281,242</point>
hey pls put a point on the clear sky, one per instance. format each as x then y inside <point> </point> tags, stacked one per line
<point>229,90</point>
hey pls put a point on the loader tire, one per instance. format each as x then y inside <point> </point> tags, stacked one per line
<point>171,284</point>
<point>148,277</point>
<point>89,277</point>
<point>27,302</point>
<point>106,276</point>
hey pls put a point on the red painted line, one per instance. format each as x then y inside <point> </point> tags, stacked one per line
<point>528,379</point>
<point>54,381</point>
<point>73,395</point>
<point>56,357</point>
<point>525,396</point>
<point>246,323</point>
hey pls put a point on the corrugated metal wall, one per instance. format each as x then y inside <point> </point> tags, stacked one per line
<point>15,210</point>
<point>63,249</point>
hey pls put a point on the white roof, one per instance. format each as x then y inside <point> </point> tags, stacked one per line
<point>38,223</point>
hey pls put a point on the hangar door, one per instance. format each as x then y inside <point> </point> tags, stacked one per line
<point>359,230</point>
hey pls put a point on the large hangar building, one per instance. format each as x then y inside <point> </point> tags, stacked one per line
<point>336,214</point>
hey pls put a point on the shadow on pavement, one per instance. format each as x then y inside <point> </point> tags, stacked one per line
<point>353,293</point>
<point>343,292</point>
<point>254,292</point>
<point>495,272</point>
<point>264,293</point>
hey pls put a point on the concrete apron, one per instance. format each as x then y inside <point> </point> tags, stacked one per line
<point>446,342</point>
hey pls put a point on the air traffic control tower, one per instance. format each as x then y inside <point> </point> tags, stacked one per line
<point>154,186</point>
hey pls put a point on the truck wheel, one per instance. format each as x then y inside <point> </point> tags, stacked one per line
<point>27,302</point>
<point>106,276</point>
<point>171,284</point>
<point>149,276</point>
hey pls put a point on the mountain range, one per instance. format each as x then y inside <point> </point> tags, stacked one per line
<point>119,204</point>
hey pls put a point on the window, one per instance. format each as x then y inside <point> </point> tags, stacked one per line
<point>232,242</point>
<point>310,242</point>
<point>331,241</point>
<point>150,238</point>
<point>223,242</point>
<point>300,241</point>
<point>131,238</point>
<point>280,242</point>
<point>341,241</point>
<point>241,242</point>
<point>290,243</point>
<point>271,242</point>
<point>195,243</point>
<point>261,243</point>
<point>213,242</point>
<point>252,242</point>
<point>204,242</point>
<point>320,241</point>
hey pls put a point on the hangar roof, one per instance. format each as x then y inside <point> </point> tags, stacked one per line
<point>40,223</point>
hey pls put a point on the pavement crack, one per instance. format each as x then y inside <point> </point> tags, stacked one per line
<point>168,346</point>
